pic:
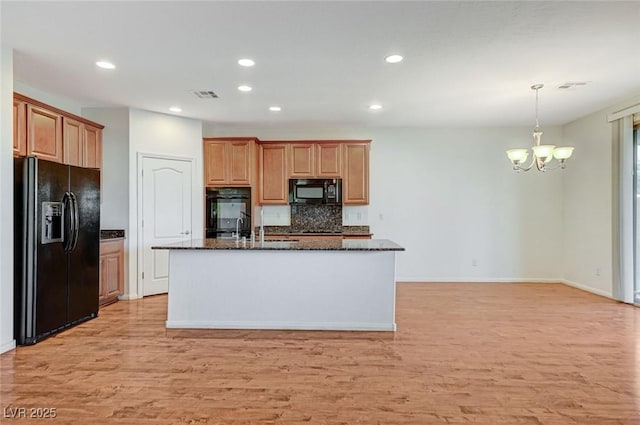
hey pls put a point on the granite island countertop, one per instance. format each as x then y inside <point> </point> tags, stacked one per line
<point>302,245</point>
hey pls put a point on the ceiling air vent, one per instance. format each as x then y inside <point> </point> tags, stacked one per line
<point>569,85</point>
<point>205,94</point>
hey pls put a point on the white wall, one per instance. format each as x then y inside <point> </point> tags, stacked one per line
<point>6,189</point>
<point>55,100</point>
<point>114,194</point>
<point>449,196</point>
<point>160,134</point>
<point>588,240</point>
<point>114,197</point>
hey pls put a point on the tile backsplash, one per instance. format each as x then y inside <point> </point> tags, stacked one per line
<point>326,218</point>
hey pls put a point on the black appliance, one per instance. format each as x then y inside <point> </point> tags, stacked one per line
<point>56,247</point>
<point>315,191</point>
<point>228,209</point>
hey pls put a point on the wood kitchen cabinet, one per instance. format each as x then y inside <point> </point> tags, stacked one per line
<point>44,133</point>
<point>55,135</point>
<point>329,160</point>
<point>355,183</point>
<point>315,160</point>
<point>19,128</point>
<point>302,160</point>
<point>111,271</point>
<point>272,187</point>
<point>91,147</point>
<point>72,131</point>
<point>82,144</point>
<point>229,162</point>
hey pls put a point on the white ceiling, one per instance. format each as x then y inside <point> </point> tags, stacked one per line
<point>466,63</point>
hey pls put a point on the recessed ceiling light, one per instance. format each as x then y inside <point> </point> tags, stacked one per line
<point>394,58</point>
<point>105,65</point>
<point>175,109</point>
<point>245,88</point>
<point>275,108</point>
<point>375,107</point>
<point>246,62</point>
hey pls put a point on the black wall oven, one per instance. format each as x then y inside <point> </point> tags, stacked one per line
<point>228,209</point>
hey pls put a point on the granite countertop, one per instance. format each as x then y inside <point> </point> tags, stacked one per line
<point>111,234</point>
<point>303,245</point>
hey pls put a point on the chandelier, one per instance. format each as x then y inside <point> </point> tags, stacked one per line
<point>542,154</point>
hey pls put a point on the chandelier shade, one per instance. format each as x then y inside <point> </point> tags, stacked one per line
<point>542,154</point>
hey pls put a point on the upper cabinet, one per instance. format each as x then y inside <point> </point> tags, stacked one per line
<point>55,135</point>
<point>228,162</point>
<point>272,184</point>
<point>72,142</point>
<point>355,184</point>
<point>91,146</point>
<point>283,160</point>
<point>44,133</point>
<point>302,160</point>
<point>315,160</point>
<point>19,128</point>
<point>329,160</point>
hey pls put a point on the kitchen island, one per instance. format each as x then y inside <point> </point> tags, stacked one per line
<point>310,284</point>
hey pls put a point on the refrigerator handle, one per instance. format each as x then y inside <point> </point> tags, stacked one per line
<point>76,221</point>
<point>68,231</point>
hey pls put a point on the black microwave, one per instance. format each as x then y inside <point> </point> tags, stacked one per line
<point>315,191</point>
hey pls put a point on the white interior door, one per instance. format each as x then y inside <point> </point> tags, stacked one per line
<point>166,216</point>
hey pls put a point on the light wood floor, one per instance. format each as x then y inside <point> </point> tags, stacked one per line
<point>463,354</point>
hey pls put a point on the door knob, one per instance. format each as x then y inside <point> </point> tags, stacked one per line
<point>186,232</point>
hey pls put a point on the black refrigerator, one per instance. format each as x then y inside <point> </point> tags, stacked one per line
<point>57,247</point>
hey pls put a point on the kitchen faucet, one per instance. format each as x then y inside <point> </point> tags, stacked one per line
<point>238,221</point>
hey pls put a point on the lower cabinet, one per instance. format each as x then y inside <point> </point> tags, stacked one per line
<point>111,270</point>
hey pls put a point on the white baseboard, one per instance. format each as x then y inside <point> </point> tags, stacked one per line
<point>306,326</point>
<point>516,280</point>
<point>587,288</point>
<point>127,297</point>
<point>482,280</point>
<point>8,346</point>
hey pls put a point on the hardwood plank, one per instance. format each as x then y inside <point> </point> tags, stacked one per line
<point>463,353</point>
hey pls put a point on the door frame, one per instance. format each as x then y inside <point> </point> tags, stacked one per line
<point>139,231</point>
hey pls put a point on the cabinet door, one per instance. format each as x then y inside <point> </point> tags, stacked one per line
<point>239,162</point>
<point>91,147</point>
<point>72,134</point>
<point>214,163</point>
<point>273,174</point>
<point>355,185</point>
<point>44,133</point>
<point>301,160</point>
<point>19,128</point>
<point>111,271</point>
<point>329,160</point>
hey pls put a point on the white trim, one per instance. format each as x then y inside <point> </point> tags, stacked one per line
<point>139,245</point>
<point>300,326</point>
<point>624,112</point>
<point>8,346</point>
<point>129,297</point>
<point>586,288</point>
<point>481,280</point>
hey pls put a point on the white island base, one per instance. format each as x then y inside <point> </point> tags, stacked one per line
<point>282,289</point>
